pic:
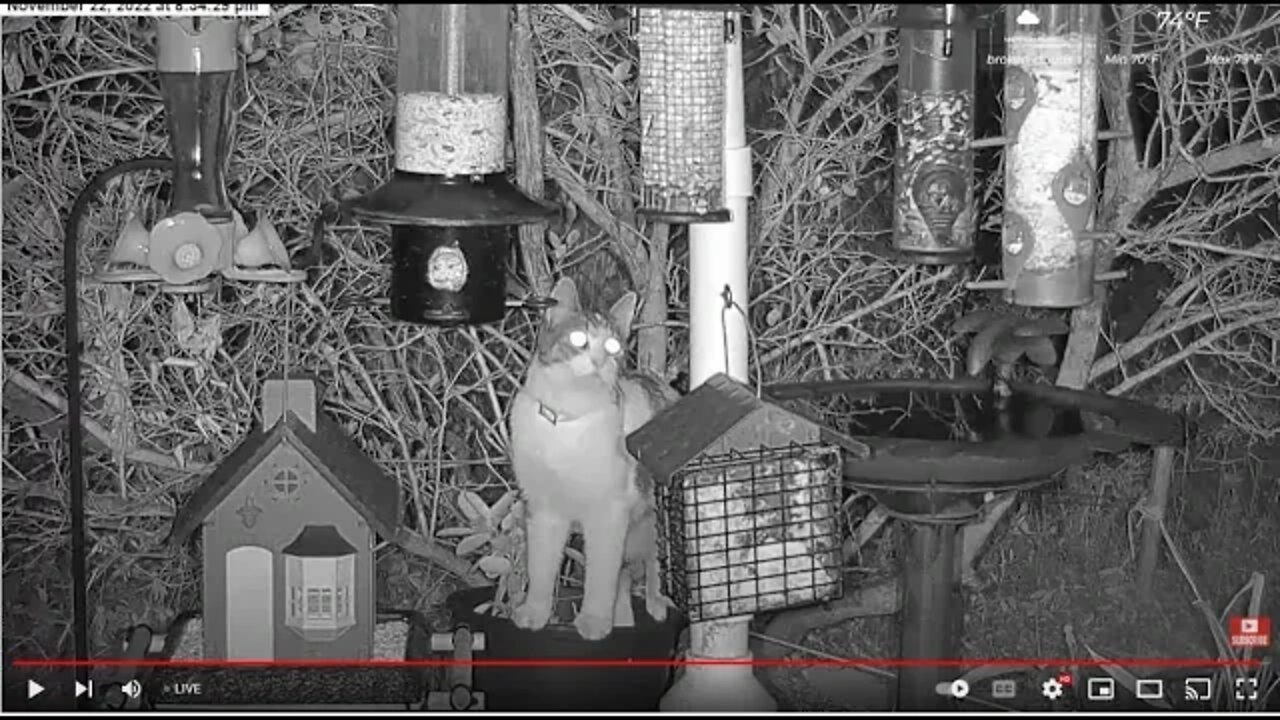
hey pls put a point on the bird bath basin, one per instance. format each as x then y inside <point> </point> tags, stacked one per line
<point>938,446</point>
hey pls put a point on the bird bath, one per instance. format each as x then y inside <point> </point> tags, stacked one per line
<point>938,446</point>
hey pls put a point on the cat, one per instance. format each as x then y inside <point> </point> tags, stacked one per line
<point>568,425</point>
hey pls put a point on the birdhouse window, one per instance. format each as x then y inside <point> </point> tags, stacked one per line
<point>320,573</point>
<point>286,484</point>
<point>320,603</point>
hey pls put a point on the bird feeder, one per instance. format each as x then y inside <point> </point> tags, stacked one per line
<point>197,59</point>
<point>1051,125</point>
<point>682,110</point>
<point>451,208</point>
<point>750,497</point>
<point>933,167</point>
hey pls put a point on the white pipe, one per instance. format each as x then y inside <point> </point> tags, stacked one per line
<point>718,343</point>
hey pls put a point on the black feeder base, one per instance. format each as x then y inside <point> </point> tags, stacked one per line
<point>450,242</point>
<point>449,275</point>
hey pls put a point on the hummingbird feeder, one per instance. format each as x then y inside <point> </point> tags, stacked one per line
<point>1051,127</point>
<point>933,167</point>
<point>682,110</point>
<point>451,208</point>
<point>197,59</point>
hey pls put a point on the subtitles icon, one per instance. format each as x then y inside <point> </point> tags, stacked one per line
<point>1004,689</point>
<point>1199,689</point>
<point>1102,689</point>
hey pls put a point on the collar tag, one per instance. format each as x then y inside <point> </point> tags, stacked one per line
<point>548,414</point>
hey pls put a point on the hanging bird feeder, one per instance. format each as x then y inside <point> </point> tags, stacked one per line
<point>682,106</point>
<point>451,208</point>
<point>1051,125</point>
<point>201,233</point>
<point>933,169</point>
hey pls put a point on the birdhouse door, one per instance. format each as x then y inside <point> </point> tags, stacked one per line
<point>250,598</point>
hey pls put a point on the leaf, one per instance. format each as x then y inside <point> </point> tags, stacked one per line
<point>575,556</point>
<point>311,24</point>
<point>622,71</point>
<point>455,532</point>
<point>17,24</point>
<point>14,75</point>
<point>494,566</point>
<point>471,543</point>
<point>472,507</point>
<point>504,505</point>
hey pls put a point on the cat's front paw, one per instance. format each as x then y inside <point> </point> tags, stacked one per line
<point>593,627</point>
<point>531,616</point>
<point>656,605</point>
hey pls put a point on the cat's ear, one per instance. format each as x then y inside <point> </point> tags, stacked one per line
<point>565,293</point>
<point>623,312</point>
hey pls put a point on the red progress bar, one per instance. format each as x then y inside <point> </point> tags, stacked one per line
<point>1190,663</point>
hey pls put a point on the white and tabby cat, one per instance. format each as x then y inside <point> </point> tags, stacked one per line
<point>569,422</point>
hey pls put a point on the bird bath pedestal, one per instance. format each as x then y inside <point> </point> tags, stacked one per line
<point>938,448</point>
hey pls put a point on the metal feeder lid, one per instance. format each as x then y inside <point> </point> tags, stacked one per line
<point>717,8</point>
<point>439,201</point>
<point>934,17</point>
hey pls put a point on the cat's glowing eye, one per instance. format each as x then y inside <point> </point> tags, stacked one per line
<point>578,339</point>
<point>612,346</point>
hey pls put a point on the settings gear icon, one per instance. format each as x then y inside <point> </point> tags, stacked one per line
<point>1051,689</point>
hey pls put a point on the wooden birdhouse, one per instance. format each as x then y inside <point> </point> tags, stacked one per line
<point>289,522</point>
<point>750,497</point>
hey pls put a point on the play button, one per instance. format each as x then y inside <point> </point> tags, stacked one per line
<point>33,689</point>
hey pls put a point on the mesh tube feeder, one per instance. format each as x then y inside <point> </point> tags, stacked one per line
<point>451,208</point>
<point>933,168</point>
<point>682,105</point>
<point>1051,123</point>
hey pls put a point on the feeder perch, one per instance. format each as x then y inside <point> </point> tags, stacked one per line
<point>749,496</point>
<point>197,61</point>
<point>933,168</point>
<point>682,110</point>
<point>460,696</point>
<point>260,255</point>
<point>451,208</point>
<point>1051,121</point>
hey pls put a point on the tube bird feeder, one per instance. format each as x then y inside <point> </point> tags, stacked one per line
<point>197,61</point>
<point>451,208</point>
<point>682,105</point>
<point>1051,123</point>
<point>933,168</point>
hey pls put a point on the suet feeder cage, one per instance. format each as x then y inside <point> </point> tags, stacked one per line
<point>1051,125</point>
<point>682,110</point>
<point>933,168</point>
<point>451,208</point>
<point>749,496</point>
<point>198,61</point>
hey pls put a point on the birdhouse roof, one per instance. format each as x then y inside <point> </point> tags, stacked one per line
<point>333,454</point>
<point>682,431</point>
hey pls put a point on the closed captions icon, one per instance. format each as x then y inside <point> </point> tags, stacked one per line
<point>1004,689</point>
